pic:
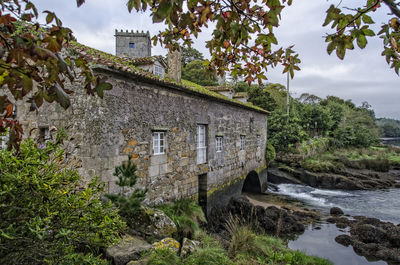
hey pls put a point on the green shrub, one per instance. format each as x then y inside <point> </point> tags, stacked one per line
<point>163,256</point>
<point>47,214</point>
<point>128,206</point>
<point>318,165</point>
<point>270,154</point>
<point>83,259</point>
<point>186,214</point>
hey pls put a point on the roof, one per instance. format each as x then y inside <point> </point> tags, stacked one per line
<point>124,66</point>
<point>240,95</point>
<point>148,60</point>
<point>222,88</point>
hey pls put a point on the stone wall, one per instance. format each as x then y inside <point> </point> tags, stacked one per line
<point>104,132</point>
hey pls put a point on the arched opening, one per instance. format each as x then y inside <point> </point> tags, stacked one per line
<point>252,183</point>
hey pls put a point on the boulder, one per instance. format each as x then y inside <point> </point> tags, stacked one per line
<point>344,240</point>
<point>167,242</point>
<point>188,246</point>
<point>130,248</point>
<point>153,223</point>
<point>336,211</point>
<point>367,233</point>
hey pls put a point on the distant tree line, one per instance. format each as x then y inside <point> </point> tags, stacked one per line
<point>390,127</point>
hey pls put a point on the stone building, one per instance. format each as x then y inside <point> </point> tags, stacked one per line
<point>132,44</point>
<point>185,140</point>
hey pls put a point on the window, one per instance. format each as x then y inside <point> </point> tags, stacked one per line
<point>131,45</point>
<point>158,70</point>
<point>218,143</point>
<point>201,144</point>
<point>242,142</point>
<point>44,135</point>
<point>3,140</point>
<point>158,143</point>
<point>258,140</point>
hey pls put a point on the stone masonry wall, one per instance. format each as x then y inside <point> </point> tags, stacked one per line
<point>104,132</point>
<point>142,44</point>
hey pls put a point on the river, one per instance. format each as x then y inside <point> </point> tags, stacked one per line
<point>391,141</point>
<point>319,239</point>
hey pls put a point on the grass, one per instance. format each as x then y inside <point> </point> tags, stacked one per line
<point>376,158</point>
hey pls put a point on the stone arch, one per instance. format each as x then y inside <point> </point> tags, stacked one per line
<point>252,183</point>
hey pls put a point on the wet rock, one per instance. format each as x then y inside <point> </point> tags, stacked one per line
<point>344,240</point>
<point>188,246</point>
<point>367,233</point>
<point>271,219</point>
<point>336,211</point>
<point>130,248</point>
<point>153,224</point>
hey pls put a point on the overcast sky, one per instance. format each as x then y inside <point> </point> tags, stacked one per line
<point>362,76</point>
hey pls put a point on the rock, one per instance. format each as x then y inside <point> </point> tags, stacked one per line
<point>367,233</point>
<point>344,240</point>
<point>130,248</point>
<point>188,246</point>
<point>167,243</point>
<point>336,211</point>
<point>142,261</point>
<point>153,223</point>
<point>278,176</point>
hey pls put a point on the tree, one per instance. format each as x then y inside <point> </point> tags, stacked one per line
<point>354,26</point>
<point>190,54</point>
<point>196,72</point>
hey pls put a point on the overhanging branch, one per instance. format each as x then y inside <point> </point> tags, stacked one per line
<point>393,7</point>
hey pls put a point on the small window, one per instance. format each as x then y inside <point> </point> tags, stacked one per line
<point>258,140</point>
<point>158,143</point>
<point>131,45</point>
<point>201,144</point>
<point>158,70</point>
<point>242,142</point>
<point>218,143</point>
<point>3,140</point>
<point>44,135</point>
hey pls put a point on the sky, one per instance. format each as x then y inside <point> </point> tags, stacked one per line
<point>362,76</point>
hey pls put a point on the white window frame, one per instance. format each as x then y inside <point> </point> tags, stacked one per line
<point>201,144</point>
<point>218,143</point>
<point>242,142</point>
<point>159,143</point>
<point>4,139</point>
<point>158,70</point>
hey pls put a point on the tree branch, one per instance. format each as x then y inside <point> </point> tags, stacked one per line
<point>393,7</point>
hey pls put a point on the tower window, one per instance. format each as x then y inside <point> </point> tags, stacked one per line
<point>131,45</point>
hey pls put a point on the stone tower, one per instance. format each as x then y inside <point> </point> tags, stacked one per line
<point>132,44</point>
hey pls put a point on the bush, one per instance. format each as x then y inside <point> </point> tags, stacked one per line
<point>130,206</point>
<point>186,214</point>
<point>270,154</point>
<point>319,165</point>
<point>47,215</point>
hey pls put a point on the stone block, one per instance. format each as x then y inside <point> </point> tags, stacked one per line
<point>154,171</point>
<point>158,159</point>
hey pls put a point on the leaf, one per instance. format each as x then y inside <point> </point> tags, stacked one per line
<point>368,32</point>
<point>79,2</point>
<point>50,16</point>
<point>101,87</point>
<point>61,97</point>
<point>361,41</point>
<point>367,19</point>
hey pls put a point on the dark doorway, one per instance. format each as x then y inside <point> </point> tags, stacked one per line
<point>203,192</point>
<point>252,183</point>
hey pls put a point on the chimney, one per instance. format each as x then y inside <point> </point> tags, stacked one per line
<point>174,65</point>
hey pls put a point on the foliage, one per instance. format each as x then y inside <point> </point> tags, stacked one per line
<point>208,256</point>
<point>31,57</point>
<point>196,72</point>
<point>83,259</point>
<point>186,214</point>
<point>163,256</point>
<point>284,132</point>
<point>270,154</point>
<point>47,214</point>
<point>355,27</point>
<point>128,206</point>
<point>390,127</point>
<point>190,54</point>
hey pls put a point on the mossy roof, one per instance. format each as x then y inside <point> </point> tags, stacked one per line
<point>125,66</point>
